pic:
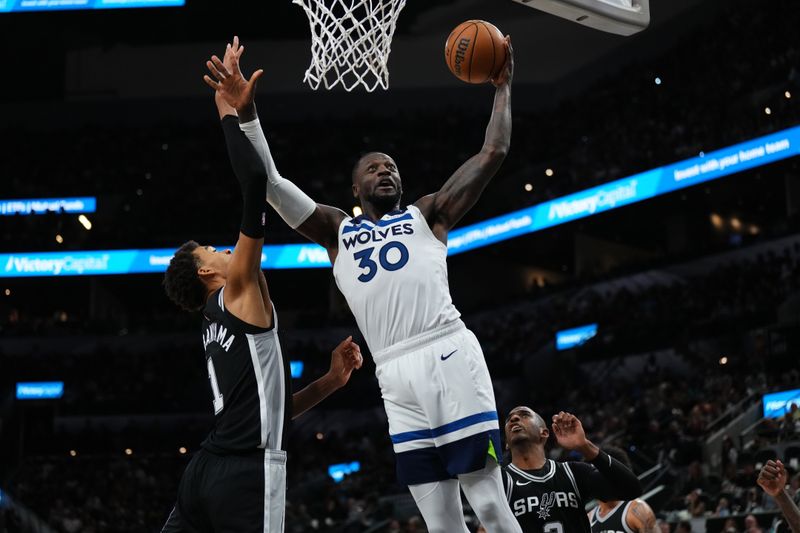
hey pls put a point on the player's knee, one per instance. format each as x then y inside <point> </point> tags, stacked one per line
<point>488,511</point>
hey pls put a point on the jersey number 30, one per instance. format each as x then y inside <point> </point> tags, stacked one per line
<point>366,262</point>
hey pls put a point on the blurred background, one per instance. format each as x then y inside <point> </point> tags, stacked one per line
<point>669,326</point>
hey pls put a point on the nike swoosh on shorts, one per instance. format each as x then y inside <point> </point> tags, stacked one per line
<point>444,357</point>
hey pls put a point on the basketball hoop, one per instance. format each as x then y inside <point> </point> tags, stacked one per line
<point>350,42</point>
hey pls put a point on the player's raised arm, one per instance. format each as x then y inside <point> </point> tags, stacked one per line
<point>772,479</point>
<point>345,358</point>
<point>445,208</point>
<point>317,222</point>
<point>609,480</point>
<point>244,295</point>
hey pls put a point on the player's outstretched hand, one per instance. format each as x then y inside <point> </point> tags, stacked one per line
<point>345,358</point>
<point>507,72</point>
<point>569,431</point>
<point>228,80</point>
<point>772,478</point>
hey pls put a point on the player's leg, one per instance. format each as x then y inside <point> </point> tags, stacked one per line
<point>440,505</point>
<point>247,494</point>
<point>419,464</point>
<point>485,493</point>
<point>461,408</point>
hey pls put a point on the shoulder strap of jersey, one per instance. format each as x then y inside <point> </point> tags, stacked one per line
<point>572,480</point>
<point>240,324</point>
<point>624,517</point>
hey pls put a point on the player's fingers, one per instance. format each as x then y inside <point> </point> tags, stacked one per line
<point>220,67</point>
<point>235,41</point>
<point>256,75</point>
<point>239,52</point>
<point>343,346</point>
<point>214,71</point>
<point>770,462</point>
<point>211,83</point>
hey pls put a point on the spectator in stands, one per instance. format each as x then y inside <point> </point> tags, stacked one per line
<point>684,527</point>
<point>751,525</point>
<point>723,508</point>
<point>730,526</point>
<point>790,424</point>
<point>695,503</point>
<point>753,502</point>
<point>415,525</point>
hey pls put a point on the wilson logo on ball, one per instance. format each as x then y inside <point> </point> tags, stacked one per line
<point>461,51</point>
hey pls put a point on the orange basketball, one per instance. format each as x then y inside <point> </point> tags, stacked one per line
<point>475,51</point>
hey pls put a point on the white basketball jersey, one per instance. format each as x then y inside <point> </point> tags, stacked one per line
<point>393,273</point>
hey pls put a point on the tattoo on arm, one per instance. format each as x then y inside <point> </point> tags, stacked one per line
<point>646,517</point>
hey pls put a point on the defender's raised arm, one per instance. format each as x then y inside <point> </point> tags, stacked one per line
<point>317,222</point>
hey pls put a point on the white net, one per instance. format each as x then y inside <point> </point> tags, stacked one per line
<point>350,42</point>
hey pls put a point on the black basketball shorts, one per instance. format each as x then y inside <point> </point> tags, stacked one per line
<point>243,493</point>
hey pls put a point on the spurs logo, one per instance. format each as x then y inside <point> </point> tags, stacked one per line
<point>546,503</point>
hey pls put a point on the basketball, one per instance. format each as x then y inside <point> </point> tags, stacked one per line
<point>475,51</point>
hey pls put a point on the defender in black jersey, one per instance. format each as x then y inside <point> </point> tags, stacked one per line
<point>633,516</point>
<point>548,496</point>
<point>237,482</point>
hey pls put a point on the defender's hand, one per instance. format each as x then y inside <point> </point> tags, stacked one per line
<point>507,72</point>
<point>345,358</point>
<point>772,478</point>
<point>569,431</point>
<point>229,82</point>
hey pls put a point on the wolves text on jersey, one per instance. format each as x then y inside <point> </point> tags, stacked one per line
<point>377,234</point>
<point>548,500</point>
<point>217,333</point>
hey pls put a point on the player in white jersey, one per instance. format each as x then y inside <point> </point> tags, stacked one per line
<point>390,264</point>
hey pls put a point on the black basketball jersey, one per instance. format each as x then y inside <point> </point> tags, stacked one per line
<point>546,500</point>
<point>249,378</point>
<point>613,522</point>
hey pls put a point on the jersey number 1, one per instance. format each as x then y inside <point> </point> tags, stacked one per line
<point>365,260</point>
<point>212,377</point>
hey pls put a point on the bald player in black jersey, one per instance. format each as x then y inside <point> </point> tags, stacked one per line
<point>237,481</point>
<point>618,516</point>
<point>548,496</point>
